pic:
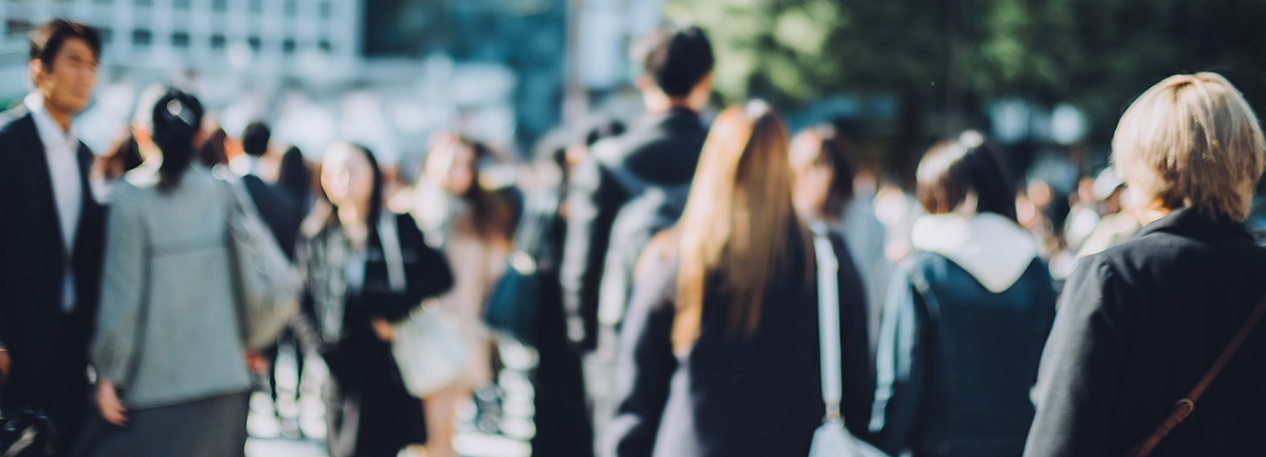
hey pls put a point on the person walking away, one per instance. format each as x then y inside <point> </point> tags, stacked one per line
<point>52,235</point>
<point>967,315</point>
<point>648,168</point>
<point>720,353</point>
<point>1141,323</point>
<point>282,214</point>
<point>168,352</point>
<point>824,166</point>
<point>472,227</point>
<point>350,307</point>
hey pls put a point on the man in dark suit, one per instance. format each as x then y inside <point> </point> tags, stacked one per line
<point>277,206</point>
<point>283,214</point>
<point>51,235</point>
<point>661,151</point>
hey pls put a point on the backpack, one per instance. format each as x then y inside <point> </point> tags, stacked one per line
<point>650,209</point>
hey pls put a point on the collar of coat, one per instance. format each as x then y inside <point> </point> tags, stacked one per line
<point>993,249</point>
<point>1189,222</point>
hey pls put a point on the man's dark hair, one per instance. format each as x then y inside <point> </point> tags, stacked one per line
<point>255,139</point>
<point>47,40</point>
<point>676,58</point>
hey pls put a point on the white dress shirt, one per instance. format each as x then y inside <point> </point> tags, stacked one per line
<point>61,148</point>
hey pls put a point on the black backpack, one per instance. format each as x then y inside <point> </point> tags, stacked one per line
<point>650,209</point>
<point>26,434</point>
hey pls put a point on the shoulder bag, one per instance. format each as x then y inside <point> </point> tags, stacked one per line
<point>1187,404</point>
<point>515,301</point>
<point>429,348</point>
<point>832,439</point>
<point>268,286</point>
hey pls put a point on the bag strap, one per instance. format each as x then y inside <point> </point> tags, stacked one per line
<point>1188,404</point>
<point>829,322</point>
<point>389,235</point>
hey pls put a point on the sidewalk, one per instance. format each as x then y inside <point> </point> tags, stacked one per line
<point>266,439</point>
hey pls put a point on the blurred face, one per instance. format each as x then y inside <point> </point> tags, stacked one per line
<point>450,164</point>
<point>347,177</point>
<point>812,176</point>
<point>67,84</point>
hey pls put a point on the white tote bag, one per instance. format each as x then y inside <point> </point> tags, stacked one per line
<point>429,348</point>
<point>832,439</point>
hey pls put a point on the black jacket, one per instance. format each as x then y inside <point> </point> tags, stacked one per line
<point>957,362</point>
<point>1138,326</point>
<point>31,261</point>
<point>734,396</point>
<point>662,150</point>
<point>371,412</point>
<point>280,211</point>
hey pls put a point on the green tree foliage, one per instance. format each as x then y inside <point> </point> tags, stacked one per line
<point>946,56</point>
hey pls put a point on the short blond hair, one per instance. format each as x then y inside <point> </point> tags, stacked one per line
<point>1192,141</point>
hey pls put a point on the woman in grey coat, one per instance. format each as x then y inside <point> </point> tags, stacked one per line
<point>172,379</point>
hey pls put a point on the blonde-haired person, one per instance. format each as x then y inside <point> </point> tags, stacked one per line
<point>1139,324</point>
<point>720,344</point>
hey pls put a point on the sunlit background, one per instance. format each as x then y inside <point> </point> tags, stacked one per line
<point>1046,79</point>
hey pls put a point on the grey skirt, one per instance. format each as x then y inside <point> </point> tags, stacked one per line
<point>214,427</point>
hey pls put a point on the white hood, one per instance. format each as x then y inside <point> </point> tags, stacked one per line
<point>990,247</point>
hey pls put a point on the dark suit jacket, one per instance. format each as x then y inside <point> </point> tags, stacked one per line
<point>280,211</point>
<point>733,395</point>
<point>1137,327</point>
<point>31,260</point>
<point>663,150</point>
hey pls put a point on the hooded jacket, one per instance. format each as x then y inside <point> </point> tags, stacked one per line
<point>962,333</point>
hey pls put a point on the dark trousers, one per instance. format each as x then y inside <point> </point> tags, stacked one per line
<point>62,391</point>
<point>563,427</point>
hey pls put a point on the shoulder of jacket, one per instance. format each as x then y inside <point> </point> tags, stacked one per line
<point>11,120</point>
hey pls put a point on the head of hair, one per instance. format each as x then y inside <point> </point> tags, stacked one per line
<point>375,195</point>
<point>736,220</point>
<point>293,174</point>
<point>213,151</point>
<point>124,155</point>
<point>47,40</point>
<point>1192,141</point>
<point>490,216</point>
<point>836,152</point>
<point>676,58</point>
<point>176,120</point>
<point>965,173</point>
<point>255,139</point>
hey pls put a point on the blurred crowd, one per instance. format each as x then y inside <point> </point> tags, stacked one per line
<point>670,273</point>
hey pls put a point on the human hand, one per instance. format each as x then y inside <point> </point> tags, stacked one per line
<point>4,365</point>
<point>112,409</point>
<point>384,329</point>
<point>257,363</point>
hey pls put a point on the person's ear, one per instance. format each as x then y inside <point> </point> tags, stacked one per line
<point>644,82</point>
<point>38,74</point>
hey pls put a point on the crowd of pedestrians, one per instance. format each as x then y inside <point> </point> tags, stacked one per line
<point>679,278</point>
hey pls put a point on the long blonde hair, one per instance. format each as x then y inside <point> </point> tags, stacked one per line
<point>736,220</point>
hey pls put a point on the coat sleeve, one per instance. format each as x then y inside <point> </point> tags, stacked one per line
<point>1080,364</point>
<point>644,371</point>
<point>900,361</point>
<point>427,276</point>
<point>592,203</point>
<point>858,371</point>
<point>123,284</point>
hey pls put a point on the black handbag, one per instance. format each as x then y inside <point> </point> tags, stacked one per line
<point>515,302</point>
<point>27,434</point>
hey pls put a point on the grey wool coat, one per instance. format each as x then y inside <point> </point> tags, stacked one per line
<point>168,330</point>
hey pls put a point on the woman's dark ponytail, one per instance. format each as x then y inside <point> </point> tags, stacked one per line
<point>177,118</point>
